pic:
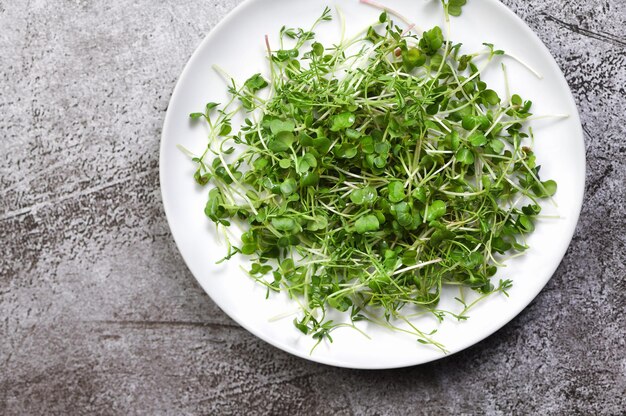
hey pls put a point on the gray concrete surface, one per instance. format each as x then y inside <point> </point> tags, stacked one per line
<point>99,315</point>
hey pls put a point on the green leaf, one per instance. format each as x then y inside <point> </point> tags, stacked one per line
<point>452,140</point>
<point>286,54</point>
<point>367,223</point>
<point>209,107</point>
<point>341,303</point>
<point>281,142</point>
<point>547,189</point>
<point>525,223</point>
<point>464,156</point>
<point>302,166</point>
<point>420,194</point>
<point>367,144</point>
<point>319,223</point>
<point>550,187</point>
<point>404,218</point>
<point>317,49</point>
<point>202,178</point>
<point>306,162</point>
<point>435,210</point>
<point>310,159</point>
<point>439,236</point>
<point>396,191</point>
<point>491,97</point>
<point>531,210</point>
<point>380,162</point>
<point>500,245</point>
<point>342,121</point>
<point>278,126</point>
<point>409,258</point>
<point>309,179</point>
<point>413,58</point>
<point>497,146</point>
<point>260,163</point>
<point>431,41</point>
<point>301,326</point>
<point>477,139</point>
<point>284,224</point>
<point>249,248</point>
<point>353,134</point>
<point>288,186</point>
<point>382,148</point>
<point>346,151</point>
<point>213,208</point>
<point>455,7</point>
<point>472,122</point>
<point>255,83</point>
<point>364,196</point>
<point>289,240</point>
<point>225,129</point>
<point>322,144</point>
<point>473,260</point>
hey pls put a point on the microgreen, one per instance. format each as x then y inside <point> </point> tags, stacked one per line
<point>376,172</point>
<point>454,7</point>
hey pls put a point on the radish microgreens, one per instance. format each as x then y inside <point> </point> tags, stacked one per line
<point>373,174</point>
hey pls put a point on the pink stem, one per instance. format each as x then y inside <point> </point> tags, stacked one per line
<point>267,44</point>
<point>408,29</point>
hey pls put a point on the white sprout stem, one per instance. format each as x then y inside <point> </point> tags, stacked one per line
<point>417,266</point>
<point>524,64</point>
<point>342,20</point>
<point>186,151</point>
<point>388,10</point>
<point>507,87</point>
<point>284,315</point>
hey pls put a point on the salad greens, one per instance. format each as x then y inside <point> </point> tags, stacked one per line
<point>373,173</point>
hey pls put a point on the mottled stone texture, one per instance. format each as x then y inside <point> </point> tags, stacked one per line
<point>99,315</point>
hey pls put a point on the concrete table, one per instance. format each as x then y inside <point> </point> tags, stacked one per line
<point>99,315</point>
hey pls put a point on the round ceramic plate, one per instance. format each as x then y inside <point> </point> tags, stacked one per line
<point>237,45</point>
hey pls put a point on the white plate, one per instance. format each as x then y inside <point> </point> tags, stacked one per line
<point>237,45</point>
